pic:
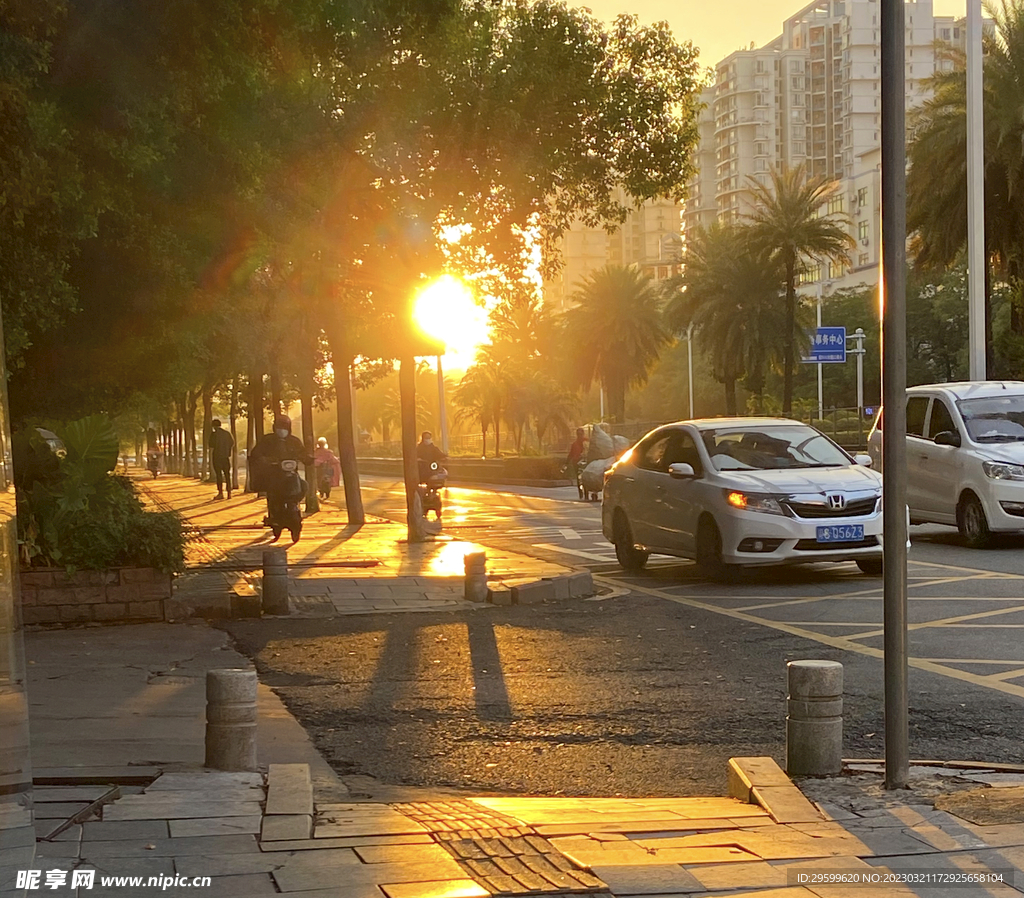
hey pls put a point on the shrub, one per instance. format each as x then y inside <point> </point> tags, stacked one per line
<point>78,514</point>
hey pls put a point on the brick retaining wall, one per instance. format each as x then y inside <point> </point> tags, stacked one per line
<point>52,595</point>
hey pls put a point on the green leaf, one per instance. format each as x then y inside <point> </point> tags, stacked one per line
<point>92,446</point>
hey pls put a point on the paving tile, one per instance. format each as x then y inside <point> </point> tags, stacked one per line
<point>327,857</point>
<point>647,879</point>
<point>228,864</point>
<point>68,793</point>
<point>201,780</point>
<point>253,885</point>
<point>42,829</point>
<point>350,890</point>
<point>367,827</point>
<point>354,842</point>
<point>130,866</point>
<point>403,854</point>
<point>57,849</point>
<point>180,847</point>
<point>220,793</point>
<point>598,854</point>
<point>300,879</point>
<point>284,827</point>
<point>786,804</point>
<point>105,831</point>
<point>215,826</point>
<point>451,888</point>
<point>148,807</point>
<point>289,789</point>
<point>58,810</point>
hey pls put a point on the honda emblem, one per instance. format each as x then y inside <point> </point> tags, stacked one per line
<point>837,501</point>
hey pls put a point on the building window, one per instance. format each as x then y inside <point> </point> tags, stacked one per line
<point>862,197</point>
<point>835,205</point>
<point>863,230</point>
<point>863,259</point>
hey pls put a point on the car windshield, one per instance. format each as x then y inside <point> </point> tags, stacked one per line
<point>771,447</point>
<point>995,419</point>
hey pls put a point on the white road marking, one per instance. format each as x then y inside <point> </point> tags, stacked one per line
<point>593,556</point>
<point>570,534</point>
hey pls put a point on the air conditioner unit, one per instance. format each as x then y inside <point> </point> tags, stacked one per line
<point>865,242</point>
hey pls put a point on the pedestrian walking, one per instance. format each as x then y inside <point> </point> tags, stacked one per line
<point>221,446</point>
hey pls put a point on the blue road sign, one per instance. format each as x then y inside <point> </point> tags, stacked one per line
<point>828,345</point>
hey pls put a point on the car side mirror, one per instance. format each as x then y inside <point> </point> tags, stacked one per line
<point>947,438</point>
<point>864,460</point>
<point>681,471</point>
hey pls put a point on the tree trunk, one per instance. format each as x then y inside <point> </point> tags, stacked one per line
<point>497,432</point>
<point>233,424</point>
<point>256,402</point>
<point>616,396</point>
<point>250,436</point>
<point>185,469</point>
<point>483,441</point>
<point>275,389</point>
<point>193,402</point>
<point>342,361</point>
<point>385,431</point>
<point>788,351</point>
<point>407,387</point>
<point>730,395</point>
<point>306,387</point>
<point>207,468</point>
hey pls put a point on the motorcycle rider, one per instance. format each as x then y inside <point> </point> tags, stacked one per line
<point>270,450</point>
<point>426,452</point>
<point>328,469</point>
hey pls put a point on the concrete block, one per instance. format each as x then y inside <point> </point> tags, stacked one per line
<point>284,827</point>
<point>75,613</point>
<point>146,610</point>
<point>36,579</point>
<point>40,614</point>
<point>289,789</point>
<point>110,611</point>
<point>139,574</point>
<point>499,596</point>
<point>245,606</point>
<point>159,589</point>
<point>86,595</point>
<point>28,594</point>
<point>559,587</point>
<point>814,721</point>
<point>532,593</point>
<point>126,593</point>
<point>581,584</point>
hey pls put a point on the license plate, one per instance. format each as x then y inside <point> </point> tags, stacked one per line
<point>841,533</point>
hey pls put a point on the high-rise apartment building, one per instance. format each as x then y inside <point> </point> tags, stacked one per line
<point>812,97</point>
<point>649,238</point>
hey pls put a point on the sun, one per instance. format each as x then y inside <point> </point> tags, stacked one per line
<point>445,309</point>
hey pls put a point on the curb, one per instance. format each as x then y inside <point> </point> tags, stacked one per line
<point>762,782</point>
<point>575,585</point>
<point>949,765</point>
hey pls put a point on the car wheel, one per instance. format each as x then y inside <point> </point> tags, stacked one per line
<point>632,559</point>
<point>709,549</point>
<point>970,518</point>
<point>870,566</point>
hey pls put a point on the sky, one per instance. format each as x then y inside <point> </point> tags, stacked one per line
<point>718,28</point>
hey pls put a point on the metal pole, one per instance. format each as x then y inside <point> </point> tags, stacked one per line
<point>894,383</point>
<point>442,415</point>
<point>975,196</point>
<point>689,364</point>
<point>602,402</point>
<point>821,402</point>
<point>859,335</point>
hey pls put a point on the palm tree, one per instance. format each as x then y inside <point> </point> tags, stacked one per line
<point>937,177</point>
<point>788,223</point>
<point>482,394</point>
<point>615,332</point>
<point>729,293</point>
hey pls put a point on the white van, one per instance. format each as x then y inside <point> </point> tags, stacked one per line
<point>965,456</point>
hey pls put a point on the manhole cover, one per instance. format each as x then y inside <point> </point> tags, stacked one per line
<point>986,807</point>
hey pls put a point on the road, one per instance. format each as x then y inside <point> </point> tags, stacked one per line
<point>649,690</point>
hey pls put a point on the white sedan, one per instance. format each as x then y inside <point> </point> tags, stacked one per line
<point>744,492</point>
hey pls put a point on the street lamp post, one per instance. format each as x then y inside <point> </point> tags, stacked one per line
<point>689,364</point>
<point>975,197</point>
<point>821,402</point>
<point>442,414</point>
<point>859,336</point>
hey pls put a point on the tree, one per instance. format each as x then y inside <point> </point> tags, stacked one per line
<point>788,223</point>
<point>729,293</point>
<point>615,332</point>
<point>937,175</point>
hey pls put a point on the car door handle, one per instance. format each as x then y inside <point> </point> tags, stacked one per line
<point>629,479</point>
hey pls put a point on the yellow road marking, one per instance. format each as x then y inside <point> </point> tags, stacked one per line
<point>838,642</point>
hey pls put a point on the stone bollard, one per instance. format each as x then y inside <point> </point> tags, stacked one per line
<point>476,576</point>
<point>814,722</point>
<point>275,580</point>
<point>231,719</point>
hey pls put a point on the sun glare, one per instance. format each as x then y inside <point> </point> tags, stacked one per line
<point>445,310</point>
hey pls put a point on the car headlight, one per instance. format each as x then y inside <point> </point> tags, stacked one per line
<point>1003,470</point>
<point>753,502</point>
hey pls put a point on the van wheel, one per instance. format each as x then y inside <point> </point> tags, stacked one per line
<point>870,566</point>
<point>632,559</point>
<point>709,550</point>
<point>970,518</point>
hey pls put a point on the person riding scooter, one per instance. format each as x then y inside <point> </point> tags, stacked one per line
<point>275,459</point>
<point>432,475</point>
<point>328,469</point>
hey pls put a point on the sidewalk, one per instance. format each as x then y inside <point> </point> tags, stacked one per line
<point>335,568</point>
